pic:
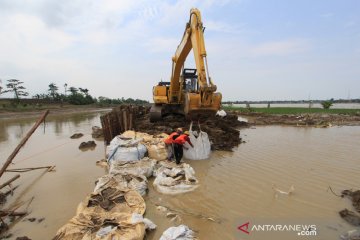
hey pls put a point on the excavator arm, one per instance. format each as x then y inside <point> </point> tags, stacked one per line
<point>193,38</point>
<point>199,100</point>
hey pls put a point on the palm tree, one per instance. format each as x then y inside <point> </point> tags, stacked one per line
<point>53,90</point>
<point>73,90</point>
<point>15,86</point>
<point>84,91</point>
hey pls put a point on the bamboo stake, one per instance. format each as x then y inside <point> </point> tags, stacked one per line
<point>50,168</point>
<point>22,143</point>
<point>10,213</point>
<point>9,181</point>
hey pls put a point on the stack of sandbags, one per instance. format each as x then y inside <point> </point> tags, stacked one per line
<point>125,150</point>
<point>154,144</point>
<point>113,211</point>
<point>174,179</point>
<point>143,167</point>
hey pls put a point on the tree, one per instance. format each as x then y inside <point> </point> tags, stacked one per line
<point>15,86</point>
<point>65,86</point>
<point>53,90</point>
<point>327,104</point>
<point>73,90</point>
<point>84,91</point>
<point>1,87</point>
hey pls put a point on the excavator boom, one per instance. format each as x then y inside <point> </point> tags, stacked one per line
<point>190,91</point>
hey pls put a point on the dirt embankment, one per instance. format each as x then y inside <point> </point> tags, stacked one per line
<point>223,132</point>
<point>314,119</point>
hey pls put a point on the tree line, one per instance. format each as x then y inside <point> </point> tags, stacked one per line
<point>72,95</point>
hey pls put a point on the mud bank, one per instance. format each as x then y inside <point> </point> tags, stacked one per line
<point>314,119</point>
<point>223,131</point>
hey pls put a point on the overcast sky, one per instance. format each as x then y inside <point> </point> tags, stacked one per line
<point>257,50</point>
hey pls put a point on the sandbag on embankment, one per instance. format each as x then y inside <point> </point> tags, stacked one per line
<point>111,212</point>
<point>174,179</point>
<point>154,144</point>
<point>143,167</point>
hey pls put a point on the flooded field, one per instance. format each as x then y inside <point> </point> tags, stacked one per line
<point>235,187</point>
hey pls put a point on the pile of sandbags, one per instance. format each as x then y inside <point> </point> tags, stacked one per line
<point>171,178</point>
<point>115,209</point>
<point>125,150</point>
<point>154,144</point>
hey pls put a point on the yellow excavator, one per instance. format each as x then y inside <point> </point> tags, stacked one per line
<point>190,92</point>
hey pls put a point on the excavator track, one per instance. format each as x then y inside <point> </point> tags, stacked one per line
<point>155,113</point>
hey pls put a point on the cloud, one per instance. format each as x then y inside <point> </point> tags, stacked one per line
<point>281,48</point>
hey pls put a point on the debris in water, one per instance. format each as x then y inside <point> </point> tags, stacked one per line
<point>171,214</point>
<point>351,235</point>
<point>354,197</point>
<point>97,132</point>
<point>350,217</point>
<point>289,192</point>
<point>87,145</point>
<point>76,135</point>
<point>161,208</point>
<point>180,232</point>
<point>23,238</point>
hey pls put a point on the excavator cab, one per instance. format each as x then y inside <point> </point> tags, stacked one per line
<point>189,80</point>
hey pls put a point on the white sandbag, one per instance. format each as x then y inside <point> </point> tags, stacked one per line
<point>143,167</point>
<point>221,113</point>
<point>201,143</point>
<point>125,150</point>
<point>181,232</point>
<point>138,218</point>
<point>157,151</point>
<point>174,179</point>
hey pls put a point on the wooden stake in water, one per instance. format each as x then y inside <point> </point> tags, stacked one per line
<point>22,143</point>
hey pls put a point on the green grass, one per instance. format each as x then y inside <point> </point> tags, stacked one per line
<point>291,110</point>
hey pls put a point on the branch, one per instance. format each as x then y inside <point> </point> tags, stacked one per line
<point>333,192</point>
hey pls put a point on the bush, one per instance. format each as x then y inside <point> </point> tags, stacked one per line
<point>326,104</point>
<point>79,99</point>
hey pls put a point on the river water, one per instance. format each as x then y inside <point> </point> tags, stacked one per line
<point>235,187</point>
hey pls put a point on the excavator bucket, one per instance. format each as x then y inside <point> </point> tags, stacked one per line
<point>194,109</point>
<point>155,113</point>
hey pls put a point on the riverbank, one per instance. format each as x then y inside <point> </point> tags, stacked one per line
<point>55,110</point>
<point>256,116</point>
<point>300,119</point>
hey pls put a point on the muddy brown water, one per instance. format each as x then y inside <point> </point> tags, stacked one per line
<point>235,187</point>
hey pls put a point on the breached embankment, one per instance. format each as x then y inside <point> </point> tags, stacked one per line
<point>223,132</point>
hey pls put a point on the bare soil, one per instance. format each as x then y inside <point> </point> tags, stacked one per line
<point>314,119</point>
<point>223,132</point>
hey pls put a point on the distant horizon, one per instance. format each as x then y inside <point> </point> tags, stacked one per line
<point>339,100</point>
<point>255,49</point>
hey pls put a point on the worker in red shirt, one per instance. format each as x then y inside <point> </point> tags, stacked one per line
<point>179,145</point>
<point>169,142</point>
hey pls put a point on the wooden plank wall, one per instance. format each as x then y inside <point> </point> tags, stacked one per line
<point>119,120</point>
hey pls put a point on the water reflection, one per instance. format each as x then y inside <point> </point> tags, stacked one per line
<point>16,129</point>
